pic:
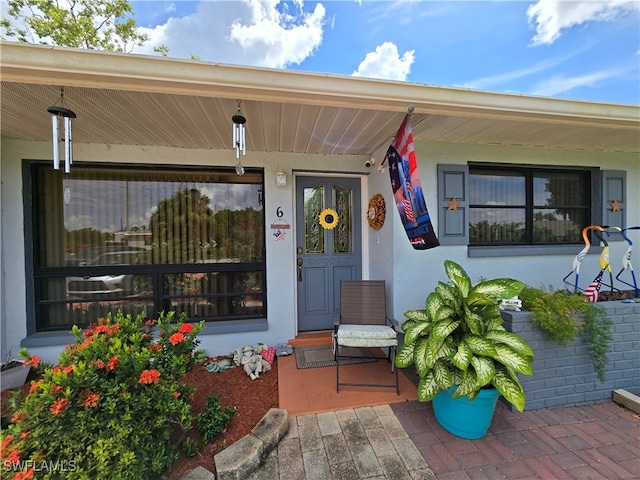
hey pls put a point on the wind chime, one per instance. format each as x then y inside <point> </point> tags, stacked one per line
<point>239,137</point>
<point>58,112</point>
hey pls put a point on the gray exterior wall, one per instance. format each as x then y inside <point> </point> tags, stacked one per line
<point>564,376</point>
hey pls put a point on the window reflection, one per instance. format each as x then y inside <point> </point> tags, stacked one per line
<point>121,234</point>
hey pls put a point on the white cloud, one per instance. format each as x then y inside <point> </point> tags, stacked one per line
<point>386,63</point>
<point>560,83</point>
<point>279,38</point>
<point>262,33</point>
<point>550,17</point>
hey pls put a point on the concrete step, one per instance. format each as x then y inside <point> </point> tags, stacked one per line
<point>312,338</point>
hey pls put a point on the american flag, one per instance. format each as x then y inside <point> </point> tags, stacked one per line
<point>592,290</point>
<point>407,191</point>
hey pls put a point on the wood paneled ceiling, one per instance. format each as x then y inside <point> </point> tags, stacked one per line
<point>124,99</point>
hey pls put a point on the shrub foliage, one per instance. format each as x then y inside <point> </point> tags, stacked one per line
<point>110,406</point>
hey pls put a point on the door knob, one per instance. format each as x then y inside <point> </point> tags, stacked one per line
<point>300,261</point>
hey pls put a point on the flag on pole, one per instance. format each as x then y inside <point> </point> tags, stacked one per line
<point>407,191</point>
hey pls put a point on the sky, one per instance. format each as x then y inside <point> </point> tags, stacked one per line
<point>583,50</point>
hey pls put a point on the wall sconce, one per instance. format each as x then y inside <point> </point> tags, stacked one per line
<point>281,178</point>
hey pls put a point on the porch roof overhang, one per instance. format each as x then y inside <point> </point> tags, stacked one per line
<point>124,99</point>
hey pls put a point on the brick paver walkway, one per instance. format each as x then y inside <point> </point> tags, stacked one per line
<point>588,442</point>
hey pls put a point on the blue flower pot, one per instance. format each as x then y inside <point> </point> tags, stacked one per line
<point>464,418</point>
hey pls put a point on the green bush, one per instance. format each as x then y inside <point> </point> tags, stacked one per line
<point>214,420</point>
<point>109,408</point>
<point>564,316</point>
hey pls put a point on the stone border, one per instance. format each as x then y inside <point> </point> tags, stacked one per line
<point>240,459</point>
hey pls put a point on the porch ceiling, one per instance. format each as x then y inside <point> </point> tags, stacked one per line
<point>138,100</point>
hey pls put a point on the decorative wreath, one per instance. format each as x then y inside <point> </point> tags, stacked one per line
<point>329,218</point>
<point>376,212</point>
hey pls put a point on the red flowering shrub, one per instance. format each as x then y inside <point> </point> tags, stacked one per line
<point>109,408</point>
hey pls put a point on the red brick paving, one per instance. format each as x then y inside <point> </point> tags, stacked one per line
<point>587,442</point>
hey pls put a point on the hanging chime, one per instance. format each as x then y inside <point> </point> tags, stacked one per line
<point>239,138</point>
<point>59,112</point>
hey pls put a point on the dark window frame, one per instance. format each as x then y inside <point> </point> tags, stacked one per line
<point>529,172</point>
<point>35,274</point>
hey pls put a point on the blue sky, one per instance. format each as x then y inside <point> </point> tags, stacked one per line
<point>576,49</point>
<point>586,50</point>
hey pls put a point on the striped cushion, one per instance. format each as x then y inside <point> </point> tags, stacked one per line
<point>367,336</point>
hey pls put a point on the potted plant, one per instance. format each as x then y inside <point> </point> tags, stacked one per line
<point>463,355</point>
<point>13,373</point>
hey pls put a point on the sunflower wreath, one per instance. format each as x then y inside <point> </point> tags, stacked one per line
<point>329,218</point>
<point>376,211</point>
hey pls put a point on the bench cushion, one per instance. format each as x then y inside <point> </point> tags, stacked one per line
<point>367,336</point>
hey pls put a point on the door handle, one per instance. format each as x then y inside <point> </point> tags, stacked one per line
<point>300,261</point>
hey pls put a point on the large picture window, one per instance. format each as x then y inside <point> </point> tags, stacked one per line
<point>145,239</point>
<point>531,206</point>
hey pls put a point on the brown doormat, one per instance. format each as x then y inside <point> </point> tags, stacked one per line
<point>322,356</point>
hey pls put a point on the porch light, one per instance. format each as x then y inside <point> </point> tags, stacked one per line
<point>281,178</point>
<point>60,111</point>
<point>239,143</point>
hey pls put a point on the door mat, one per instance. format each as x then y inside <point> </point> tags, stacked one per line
<point>322,356</point>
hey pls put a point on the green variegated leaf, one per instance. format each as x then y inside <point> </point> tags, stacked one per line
<point>463,356</point>
<point>468,384</point>
<point>499,288</point>
<point>434,344</point>
<point>447,292</point>
<point>433,304</point>
<point>417,315</point>
<point>443,328</point>
<point>484,368</point>
<point>474,321</point>
<point>427,388</point>
<point>495,323</point>
<point>510,389</point>
<point>447,350</point>
<point>420,356</point>
<point>472,396</point>
<point>407,324</point>
<point>442,374</point>
<point>443,312</point>
<point>511,339</point>
<point>512,359</point>
<point>480,345</point>
<point>415,331</point>
<point>456,376</point>
<point>476,299</point>
<point>458,277</point>
<point>404,356</point>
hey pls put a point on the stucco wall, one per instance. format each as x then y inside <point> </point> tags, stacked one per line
<point>281,283</point>
<point>410,274</point>
<point>416,273</point>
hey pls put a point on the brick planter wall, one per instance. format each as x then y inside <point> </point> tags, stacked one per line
<point>564,376</point>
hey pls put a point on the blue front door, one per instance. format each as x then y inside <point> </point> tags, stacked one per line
<point>325,255</point>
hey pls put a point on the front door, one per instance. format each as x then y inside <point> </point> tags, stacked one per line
<point>325,255</point>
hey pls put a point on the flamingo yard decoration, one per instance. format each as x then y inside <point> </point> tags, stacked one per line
<point>580,257</point>
<point>626,262</point>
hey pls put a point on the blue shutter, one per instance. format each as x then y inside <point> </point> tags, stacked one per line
<point>614,189</point>
<point>453,225</point>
